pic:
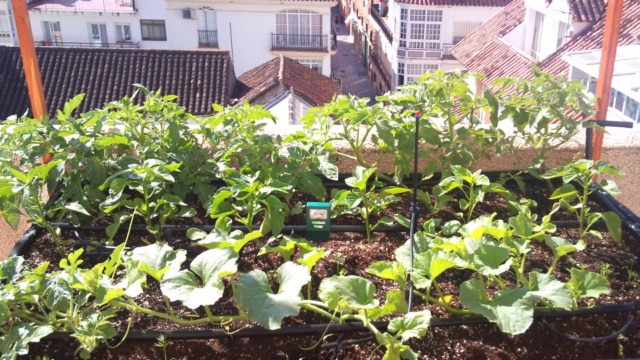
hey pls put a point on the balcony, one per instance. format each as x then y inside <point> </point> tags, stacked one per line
<point>110,6</point>
<point>118,45</point>
<point>375,14</point>
<point>299,42</point>
<point>207,38</point>
<point>443,52</point>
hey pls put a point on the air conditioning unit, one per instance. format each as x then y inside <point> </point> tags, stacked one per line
<point>188,13</point>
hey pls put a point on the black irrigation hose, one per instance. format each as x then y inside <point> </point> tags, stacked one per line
<point>349,327</point>
<point>630,220</point>
<point>25,241</point>
<point>286,228</point>
<point>630,320</point>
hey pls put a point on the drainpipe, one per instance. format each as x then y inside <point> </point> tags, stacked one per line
<point>29,58</point>
<point>607,60</point>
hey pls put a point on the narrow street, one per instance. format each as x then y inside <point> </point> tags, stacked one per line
<point>345,64</point>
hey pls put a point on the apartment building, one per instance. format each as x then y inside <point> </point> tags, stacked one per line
<point>7,27</point>
<point>399,40</point>
<point>253,31</point>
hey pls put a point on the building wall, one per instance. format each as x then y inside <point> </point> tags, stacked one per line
<point>452,16</point>
<point>74,26</point>
<point>243,28</point>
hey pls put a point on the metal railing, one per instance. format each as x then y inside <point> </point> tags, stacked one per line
<point>118,45</point>
<point>119,6</point>
<point>299,42</point>
<point>375,14</point>
<point>436,53</point>
<point>377,63</point>
<point>207,38</point>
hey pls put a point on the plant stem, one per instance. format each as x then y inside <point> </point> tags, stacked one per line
<point>215,319</point>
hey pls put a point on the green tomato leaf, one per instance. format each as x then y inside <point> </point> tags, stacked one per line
<point>210,267</point>
<point>276,214</point>
<point>613,225</point>
<point>254,294</point>
<point>347,293</point>
<point>565,191</point>
<point>327,167</point>
<point>77,207</point>
<point>562,247</point>
<point>11,268</point>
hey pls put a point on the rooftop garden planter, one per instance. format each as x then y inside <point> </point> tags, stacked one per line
<point>161,230</point>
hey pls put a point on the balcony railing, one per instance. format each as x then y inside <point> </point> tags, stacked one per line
<point>5,37</point>
<point>207,38</point>
<point>438,53</point>
<point>115,6</point>
<point>299,42</point>
<point>118,45</point>
<point>375,14</point>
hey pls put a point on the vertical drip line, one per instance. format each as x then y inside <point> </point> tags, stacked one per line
<point>414,208</point>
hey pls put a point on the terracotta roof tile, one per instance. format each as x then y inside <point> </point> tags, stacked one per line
<point>282,73</point>
<point>479,3</point>
<point>198,78</point>
<point>587,10</point>
<point>482,51</point>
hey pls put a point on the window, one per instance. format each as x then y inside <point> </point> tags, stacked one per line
<point>424,29</point>
<point>153,30</point>
<point>563,34</point>
<point>537,35</point>
<point>5,27</point>
<point>207,27</point>
<point>408,73</point>
<point>313,64</point>
<point>123,32</point>
<point>618,102</point>
<point>299,28</point>
<point>98,35</point>
<point>51,32</point>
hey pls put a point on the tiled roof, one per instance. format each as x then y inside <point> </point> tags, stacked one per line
<point>587,10</point>
<point>198,78</point>
<point>282,73</point>
<point>483,51</point>
<point>479,3</point>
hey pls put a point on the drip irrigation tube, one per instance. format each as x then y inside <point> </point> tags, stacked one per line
<point>630,320</point>
<point>630,221</point>
<point>25,241</point>
<point>349,327</point>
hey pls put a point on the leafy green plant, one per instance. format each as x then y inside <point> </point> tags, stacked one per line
<point>364,200</point>
<point>150,180</point>
<point>246,196</point>
<point>473,187</point>
<point>574,194</point>
<point>543,111</point>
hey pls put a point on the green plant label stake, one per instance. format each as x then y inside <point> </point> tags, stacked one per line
<point>318,220</point>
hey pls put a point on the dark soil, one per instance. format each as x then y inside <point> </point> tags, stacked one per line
<point>351,254</point>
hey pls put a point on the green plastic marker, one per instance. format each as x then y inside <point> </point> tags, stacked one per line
<point>318,221</point>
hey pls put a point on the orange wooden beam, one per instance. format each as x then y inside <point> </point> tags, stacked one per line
<point>29,58</point>
<point>607,60</point>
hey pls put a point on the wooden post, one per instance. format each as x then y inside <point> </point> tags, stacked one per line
<point>607,60</point>
<point>29,58</point>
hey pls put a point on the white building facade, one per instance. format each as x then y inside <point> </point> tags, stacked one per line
<point>253,31</point>
<point>7,26</point>
<point>410,38</point>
